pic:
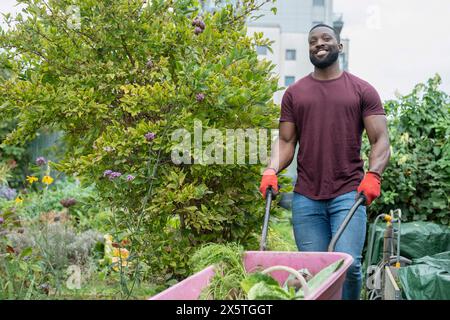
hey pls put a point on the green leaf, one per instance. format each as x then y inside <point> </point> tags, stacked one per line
<point>256,277</point>
<point>436,151</point>
<point>26,252</point>
<point>264,291</point>
<point>321,277</point>
<point>36,268</point>
<point>30,289</point>
<point>23,265</point>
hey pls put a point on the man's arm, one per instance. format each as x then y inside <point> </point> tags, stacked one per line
<point>377,132</point>
<point>284,147</point>
<point>282,154</point>
<point>376,127</point>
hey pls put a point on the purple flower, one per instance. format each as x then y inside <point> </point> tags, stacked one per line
<point>149,136</point>
<point>107,173</point>
<point>2,220</point>
<point>130,177</point>
<point>40,161</point>
<point>111,175</point>
<point>7,193</point>
<point>114,175</point>
<point>108,149</point>
<point>195,22</point>
<point>200,97</point>
<point>198,30</point>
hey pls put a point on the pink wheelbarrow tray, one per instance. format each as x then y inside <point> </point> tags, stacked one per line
<point>331,289</point>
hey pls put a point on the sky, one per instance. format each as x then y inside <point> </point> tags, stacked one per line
<point>7,6</point>
<point>394,44</point>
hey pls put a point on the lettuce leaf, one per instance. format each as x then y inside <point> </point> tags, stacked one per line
<point>264,291</point>
<point>256,277</point>
<point>321,277</point>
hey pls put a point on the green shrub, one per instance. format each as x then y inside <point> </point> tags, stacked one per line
<point>87,211</point>
<point>21,272</point>
<point>20,276</point>
<point>57,243</point>
<point>35,256</point>
<point>119,86</point>
<point>417,179</point>
<point>15,157</point>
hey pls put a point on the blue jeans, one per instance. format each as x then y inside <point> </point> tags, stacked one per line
<point>316,221</point>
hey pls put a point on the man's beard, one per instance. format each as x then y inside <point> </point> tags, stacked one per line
<point>333,55</point>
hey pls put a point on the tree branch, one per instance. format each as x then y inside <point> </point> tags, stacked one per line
<point>130,57</point>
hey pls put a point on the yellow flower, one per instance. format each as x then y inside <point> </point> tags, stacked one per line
<point>404,137</point>
<point>18,200</point>
<point>403,159</point>
<point>115,261</point>
<point>32,179</point>
<point>124,254</point>
<point>47,180</point>
<point>120,255</point>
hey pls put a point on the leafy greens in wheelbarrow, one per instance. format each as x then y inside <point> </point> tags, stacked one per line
<point>231,281</point>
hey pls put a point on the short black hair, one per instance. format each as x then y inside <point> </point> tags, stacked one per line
<point>329,27</point>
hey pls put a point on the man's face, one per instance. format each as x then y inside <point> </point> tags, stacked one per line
<point>323,47</point>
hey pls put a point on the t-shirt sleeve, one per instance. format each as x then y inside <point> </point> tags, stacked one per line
<point>287,114</point>
<point>371,102</point>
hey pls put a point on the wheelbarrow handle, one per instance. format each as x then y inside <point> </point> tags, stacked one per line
<point>269,195</point>
<point>360,200</point>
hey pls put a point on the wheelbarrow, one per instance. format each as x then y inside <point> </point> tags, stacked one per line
<point>331,289</point>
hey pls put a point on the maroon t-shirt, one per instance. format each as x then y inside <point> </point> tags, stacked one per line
<point>328,115</point>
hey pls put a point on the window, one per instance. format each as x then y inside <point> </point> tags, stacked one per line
<point>319,3</point>
<point>288,80</point>
<point>261,50</point>
<point>290,54</point>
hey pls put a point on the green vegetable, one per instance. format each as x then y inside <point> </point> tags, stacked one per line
<point>255,278</point>
<point>231,281</point>
<point>321,277</point>
<point>263,287</point>
<point>230,271</point>
<point>264,291</point>
<point>259,286</point>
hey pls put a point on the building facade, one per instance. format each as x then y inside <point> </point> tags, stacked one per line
<point>288,30</point>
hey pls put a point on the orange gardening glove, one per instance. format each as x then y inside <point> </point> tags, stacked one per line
<point>370,186</point>
<point>269,179</point>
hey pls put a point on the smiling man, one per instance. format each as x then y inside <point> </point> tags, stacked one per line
<point>326,112</point>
